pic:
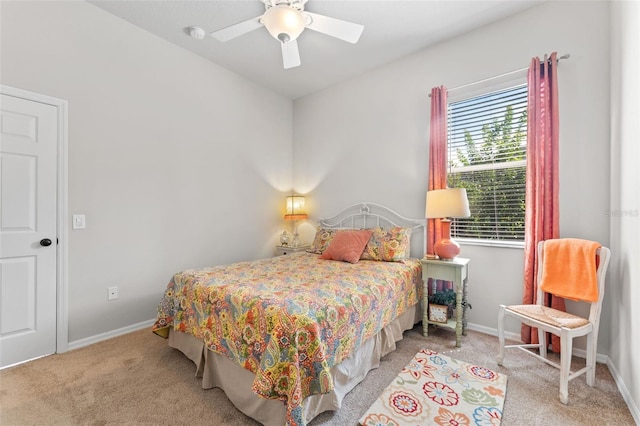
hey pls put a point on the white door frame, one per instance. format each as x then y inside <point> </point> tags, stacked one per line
<point>62,231</point>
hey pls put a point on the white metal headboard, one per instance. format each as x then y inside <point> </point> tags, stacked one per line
<point>372,215</point>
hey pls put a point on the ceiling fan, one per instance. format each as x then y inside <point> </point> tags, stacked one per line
<point>285,20</point>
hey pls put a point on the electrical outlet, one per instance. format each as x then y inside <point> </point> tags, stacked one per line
<point>112,293</point>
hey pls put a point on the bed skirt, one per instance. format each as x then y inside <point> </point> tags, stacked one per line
<point>219,371</point>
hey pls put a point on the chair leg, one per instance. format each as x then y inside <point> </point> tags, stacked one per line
<point>592,340</point>
<point>542,340</point>
<point>566,347</point>
<point>501,334</point>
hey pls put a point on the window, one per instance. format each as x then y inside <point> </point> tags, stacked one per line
<point>487,147</point>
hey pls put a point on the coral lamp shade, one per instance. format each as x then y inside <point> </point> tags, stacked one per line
<point>295,208</point>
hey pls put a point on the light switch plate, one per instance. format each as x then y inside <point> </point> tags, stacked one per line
<point>79,221</point>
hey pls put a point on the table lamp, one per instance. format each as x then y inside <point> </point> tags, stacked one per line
<point>295,212</point>
<point>444,204</point>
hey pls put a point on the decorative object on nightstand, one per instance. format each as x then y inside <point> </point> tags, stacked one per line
<point>455,271</point>
<point>441,305</point>
<point>444,204</point>
<point>284,239</point>
<point>438,313</point>
<point>295,212</point>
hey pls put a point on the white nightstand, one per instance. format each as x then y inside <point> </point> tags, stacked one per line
<point>282,250</point>
<point>455,270</point>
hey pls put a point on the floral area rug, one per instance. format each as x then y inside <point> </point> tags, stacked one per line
<point>434,389</point>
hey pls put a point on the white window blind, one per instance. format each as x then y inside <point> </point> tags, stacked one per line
<point>487,156</point>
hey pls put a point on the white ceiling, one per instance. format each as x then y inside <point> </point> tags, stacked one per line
<point>392,29</point>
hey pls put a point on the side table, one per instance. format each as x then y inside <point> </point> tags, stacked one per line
<point>455,270</point>
<point>284,250</point>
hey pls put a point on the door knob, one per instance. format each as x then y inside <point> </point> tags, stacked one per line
<point>45,242</point>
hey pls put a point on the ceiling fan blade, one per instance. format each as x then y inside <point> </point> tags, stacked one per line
<point>347,31</point>
<point>237,30</point>
<point>290,54</point>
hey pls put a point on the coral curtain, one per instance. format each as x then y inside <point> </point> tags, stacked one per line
<point>437,157</point>
<point>541,199</point>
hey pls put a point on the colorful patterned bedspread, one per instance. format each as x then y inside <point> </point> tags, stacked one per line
<point>289,319</point>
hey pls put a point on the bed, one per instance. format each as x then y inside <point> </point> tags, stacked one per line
<point>288,337</point>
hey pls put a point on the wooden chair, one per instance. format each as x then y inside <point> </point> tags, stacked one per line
<point>563,324</point>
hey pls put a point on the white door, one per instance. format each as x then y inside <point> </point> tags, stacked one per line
<point>28,172</point>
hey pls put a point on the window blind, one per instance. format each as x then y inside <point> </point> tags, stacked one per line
<point>487,156</point>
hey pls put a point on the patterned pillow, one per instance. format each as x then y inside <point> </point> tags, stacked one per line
<point>388,245</point>
<point>322,239</point>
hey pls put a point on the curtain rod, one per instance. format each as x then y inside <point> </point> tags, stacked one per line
<point>565,56</point>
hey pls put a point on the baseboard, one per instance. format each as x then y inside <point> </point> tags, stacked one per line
<point>581,353</point>
<point>633,408</point>
<point>493,331</point>
<point>76,344</point>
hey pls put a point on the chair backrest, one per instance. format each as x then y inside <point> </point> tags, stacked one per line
<point>603,254</point>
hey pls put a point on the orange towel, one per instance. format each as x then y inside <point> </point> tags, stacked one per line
<point>569,269</point>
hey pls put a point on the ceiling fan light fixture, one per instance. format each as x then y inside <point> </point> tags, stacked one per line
<point>286,20</point>
<point>283,22</point>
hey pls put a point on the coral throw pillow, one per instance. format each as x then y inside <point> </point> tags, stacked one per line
<point>347,246</point>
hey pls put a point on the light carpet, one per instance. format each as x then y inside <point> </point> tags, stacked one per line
<point>138,380</point>
<point>434,389</point>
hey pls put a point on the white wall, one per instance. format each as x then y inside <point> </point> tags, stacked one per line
<point>367,139</point>
<point>176,162</point>
<point>625,198</point>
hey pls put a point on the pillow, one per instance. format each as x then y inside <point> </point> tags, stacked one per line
<point>347,245</point>
<point>388,245</point>
<point>322,239</point>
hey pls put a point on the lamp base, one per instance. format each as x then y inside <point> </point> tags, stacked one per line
<point>446,248</point>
